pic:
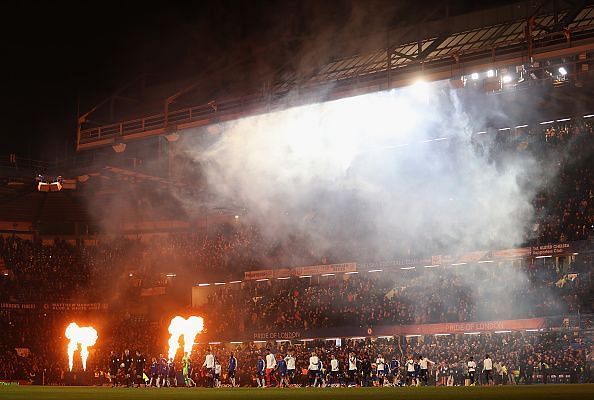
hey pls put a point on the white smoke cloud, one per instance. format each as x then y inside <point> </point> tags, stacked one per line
<point>372,176</point>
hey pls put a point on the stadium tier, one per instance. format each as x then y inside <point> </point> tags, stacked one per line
<point>441,307</point>
<point>404,199</point>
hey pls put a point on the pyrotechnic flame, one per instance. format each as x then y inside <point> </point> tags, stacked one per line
<point>86,336</point>
<point>188,328</point>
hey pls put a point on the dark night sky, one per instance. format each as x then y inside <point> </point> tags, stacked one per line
<point>55,53</point>
<point>59,54</point>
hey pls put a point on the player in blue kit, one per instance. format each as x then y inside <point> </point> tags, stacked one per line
<point>281,366</point>
<point>163,371</point>
<point>232,369</point>
<point>171,373</point>
<point>154,372</point>
<point>417,374</point>
<point>395,371</point>
<point>261,371</point>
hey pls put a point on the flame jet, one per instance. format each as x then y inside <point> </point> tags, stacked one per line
<point>188,328</point>
<point>85,336</point>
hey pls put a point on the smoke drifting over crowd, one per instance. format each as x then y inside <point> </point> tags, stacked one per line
<point>381,174</point>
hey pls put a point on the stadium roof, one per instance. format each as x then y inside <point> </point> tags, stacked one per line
<point>471,43</point>
<point>440,49</point>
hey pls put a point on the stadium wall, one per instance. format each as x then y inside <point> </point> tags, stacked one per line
<point>353,332</point>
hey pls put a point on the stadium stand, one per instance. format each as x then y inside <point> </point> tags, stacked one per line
<point>45,272</point>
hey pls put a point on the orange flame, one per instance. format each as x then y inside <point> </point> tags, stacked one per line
<point>188,328</point>
<point>86,336</point>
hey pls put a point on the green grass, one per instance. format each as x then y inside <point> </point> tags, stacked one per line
<point>474,393</point>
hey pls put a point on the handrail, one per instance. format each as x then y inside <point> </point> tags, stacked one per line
<point>203,112</point>
<point>368,69</point>
<point>157,121</point>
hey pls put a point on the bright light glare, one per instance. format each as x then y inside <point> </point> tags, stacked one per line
<point>329,136</point>
<point>307,154</point>
<point>474,76</point>
<point>490,73</point>
<point>506,79</point>
<point>421,89</point>
<point>322,140</point>
<point>420,84</point>
<point>562,71</point>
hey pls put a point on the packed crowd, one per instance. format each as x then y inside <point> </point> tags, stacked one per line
<point>564,206</point>
<point>454,360</point>
<point>41,272</point>
<point>482,292</point>
<point>93,271</point>
<point>564,211</point>
<point>115,270</point>
<point>565,356</point>
<point>63,271</point>
<point>517,358</point>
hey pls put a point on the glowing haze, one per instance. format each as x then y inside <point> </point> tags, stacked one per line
<point>188,328</point>
<point>394,174</point>
<point>373,176</point>
<point>85,336</point>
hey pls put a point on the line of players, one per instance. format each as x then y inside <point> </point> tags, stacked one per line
<point>281,371</point>
<point>276,370</point>
<point>128,370</point>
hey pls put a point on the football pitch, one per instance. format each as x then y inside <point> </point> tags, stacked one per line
<point>497,392</point>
